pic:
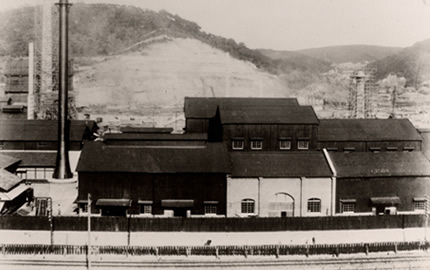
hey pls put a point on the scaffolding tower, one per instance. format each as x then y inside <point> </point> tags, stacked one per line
<point>362,94</point>
<point>46,61</point>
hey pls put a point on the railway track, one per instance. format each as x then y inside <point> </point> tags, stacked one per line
<point>419,260</point>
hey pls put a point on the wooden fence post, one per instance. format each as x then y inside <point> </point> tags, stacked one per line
<point>216,252</point>
<point>277,252</point>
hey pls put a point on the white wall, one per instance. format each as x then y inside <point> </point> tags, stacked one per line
<point>263,191</point>
<point>239,189</point>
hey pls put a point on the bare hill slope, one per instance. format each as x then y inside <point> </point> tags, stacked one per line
<point>163,73</point>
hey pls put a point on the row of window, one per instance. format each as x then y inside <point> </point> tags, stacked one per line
<point>248,206</point>
<point>349,206</point>
<point>146,208</point>
<point>239,144</point>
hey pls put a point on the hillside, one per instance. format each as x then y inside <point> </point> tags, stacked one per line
<point>413,63</point>
<point>158,77</point>
<point>107,29</point>
<point>350,53</point>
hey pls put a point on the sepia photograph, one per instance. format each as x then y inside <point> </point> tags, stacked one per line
<point>221,134</point>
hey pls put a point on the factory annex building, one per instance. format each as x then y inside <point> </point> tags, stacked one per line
<point>241,157</point>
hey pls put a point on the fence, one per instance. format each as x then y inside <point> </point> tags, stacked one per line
<point>260,250</point>
<point>133,224</point>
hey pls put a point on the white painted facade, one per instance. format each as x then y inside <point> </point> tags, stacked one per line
<point>276,197</point>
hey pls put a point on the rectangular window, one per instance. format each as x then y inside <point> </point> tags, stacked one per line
<point>43,144</point>
<point>314,205</point>
<point>146,209</point>
<point>332,149</point>
<point>256,144</point>
<point>238,144</point>
<point>408,149</point>
<point>391,148</point>
<point>247,206</point>
<point>420,204</point>
<point>348,207</point>
<point>284,144</point>
<point>303,144</point>
<point>210,209</point>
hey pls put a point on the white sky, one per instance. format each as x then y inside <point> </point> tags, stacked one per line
<point>295,24</point>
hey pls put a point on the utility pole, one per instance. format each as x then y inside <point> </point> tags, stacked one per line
<point>426,211</point>
<point>89,232</point>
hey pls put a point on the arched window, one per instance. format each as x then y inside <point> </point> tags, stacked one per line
<point>314,205</point>
<point>247,206</point>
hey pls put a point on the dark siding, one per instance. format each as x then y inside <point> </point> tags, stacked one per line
<point>362,189</point>
<point>156,187</point>
<point>197,125</point>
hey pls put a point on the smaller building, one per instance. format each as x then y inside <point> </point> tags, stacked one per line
<point>268,184</point>
<point>42,134</point>
<point>159,181</point>
<point>381,183</point>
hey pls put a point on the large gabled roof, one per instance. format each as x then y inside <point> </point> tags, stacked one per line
<point>198,107</point>
<point>268,115</point>
<point>41,130</point>
<point>98,157</point>
<point>291,164</point>
<point>367,130</point>
<point>382,164</point>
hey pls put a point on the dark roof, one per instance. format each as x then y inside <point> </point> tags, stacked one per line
<point>8,180</point>
<point>99,157</point>
<point>40,130</point>
<point>157,130</point>
<point>6,161</point>
<point>368,164</point>
<point>291,164</point>
<point>268,115</point>
<point>198,107</point>
<point>34,158</point>
<point>155,137</point>
<point>367,130</point>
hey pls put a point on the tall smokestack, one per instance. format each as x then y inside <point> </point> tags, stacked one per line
<point>62,168</point>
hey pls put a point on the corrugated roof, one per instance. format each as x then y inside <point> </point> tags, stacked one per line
<point>40,130</point>
<point>98,157</point>
<point>291,164</point>
<point>367,130</point>
<point>368,164</point>
<point>7,161</point>
<point>34,158</point>
<point>155,137</point>
<point>198,107</point>
<point>268,115</point>
<point>8,180</point>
